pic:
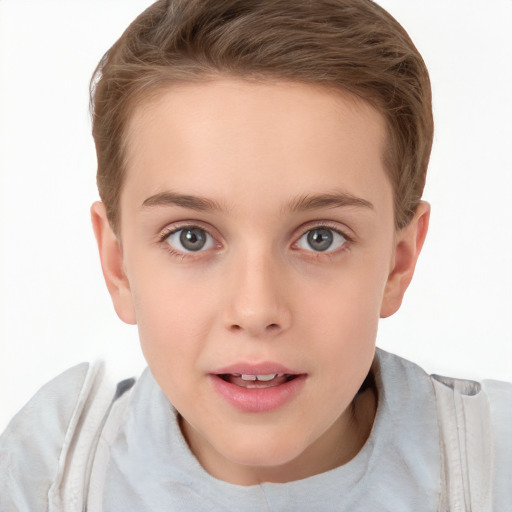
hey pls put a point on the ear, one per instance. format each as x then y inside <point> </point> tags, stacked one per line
<point>111,256</point>
<point>408,244</point>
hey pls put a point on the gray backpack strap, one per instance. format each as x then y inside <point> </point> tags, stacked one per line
<point>69,490</point>
<point>100,451</point>
<point>499,395</point>
<point>466,445</point>
<point>66,492</point>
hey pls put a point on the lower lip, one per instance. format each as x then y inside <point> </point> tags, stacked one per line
<point>258,399</point>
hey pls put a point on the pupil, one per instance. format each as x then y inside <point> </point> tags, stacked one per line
<point>193,239</point>
<point>320,239</point>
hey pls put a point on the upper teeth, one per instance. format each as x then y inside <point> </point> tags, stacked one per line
<point>264,378</point>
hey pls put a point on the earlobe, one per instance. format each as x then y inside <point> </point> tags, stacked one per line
<point>409,242</point>
<point>111,257</point>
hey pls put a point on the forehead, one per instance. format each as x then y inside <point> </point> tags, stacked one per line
<point>230,137</point>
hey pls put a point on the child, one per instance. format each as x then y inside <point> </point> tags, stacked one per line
<point>261,166</point>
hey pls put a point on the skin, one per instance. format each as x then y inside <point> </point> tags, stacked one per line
<point>258,292</point>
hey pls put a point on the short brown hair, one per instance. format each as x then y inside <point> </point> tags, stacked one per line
<point>349,45</point>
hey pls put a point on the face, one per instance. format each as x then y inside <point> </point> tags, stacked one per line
<point>257,252</point>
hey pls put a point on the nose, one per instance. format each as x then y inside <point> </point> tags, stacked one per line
<point>257,303</point>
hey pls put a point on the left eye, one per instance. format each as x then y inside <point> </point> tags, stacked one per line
<point>190,240</point>
<point>321,239</point>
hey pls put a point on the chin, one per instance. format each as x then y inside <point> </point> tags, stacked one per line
<point>263,452</point>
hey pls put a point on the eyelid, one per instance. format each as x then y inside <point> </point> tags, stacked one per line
<point>175,227</point>
<point>217,238</point>
<point>333,226</point>
<point>173,240</point>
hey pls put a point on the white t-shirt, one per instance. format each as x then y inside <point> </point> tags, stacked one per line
<point>145,463</point>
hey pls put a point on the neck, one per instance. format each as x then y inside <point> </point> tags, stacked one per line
<point>347,435</point>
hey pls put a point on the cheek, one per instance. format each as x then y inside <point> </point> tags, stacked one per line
<point>347,298</point>
<point>345,329</point>
<point>174,315</point>
<point>340,314</point>
<point>173,330</point>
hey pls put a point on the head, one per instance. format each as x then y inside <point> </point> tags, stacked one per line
<point>344,45</point>
<point>260,166</point>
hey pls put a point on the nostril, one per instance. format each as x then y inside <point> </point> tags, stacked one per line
<point>254,327</point>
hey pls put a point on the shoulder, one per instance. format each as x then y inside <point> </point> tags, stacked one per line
<point>31,446</point>
<point>475,427</point>
<point>499,396</point>
<point>476,422</point>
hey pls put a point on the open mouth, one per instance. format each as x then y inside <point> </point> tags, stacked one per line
<point>249,381</point>
<point>254,389</point>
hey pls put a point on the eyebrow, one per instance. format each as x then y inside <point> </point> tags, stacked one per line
<point>185,201</point>
<point>334,200</point>
<point>302,203</point>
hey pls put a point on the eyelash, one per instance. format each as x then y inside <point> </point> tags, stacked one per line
<point>167,232</point>
<point>328,254</point>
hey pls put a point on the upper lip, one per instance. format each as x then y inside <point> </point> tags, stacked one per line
<point>266,368</point>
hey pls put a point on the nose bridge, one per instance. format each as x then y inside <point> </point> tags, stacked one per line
<point>258,303</point>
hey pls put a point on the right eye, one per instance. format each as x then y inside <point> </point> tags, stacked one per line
<point>190,239</point>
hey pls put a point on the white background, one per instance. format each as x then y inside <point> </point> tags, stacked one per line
<point>54,307</point>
